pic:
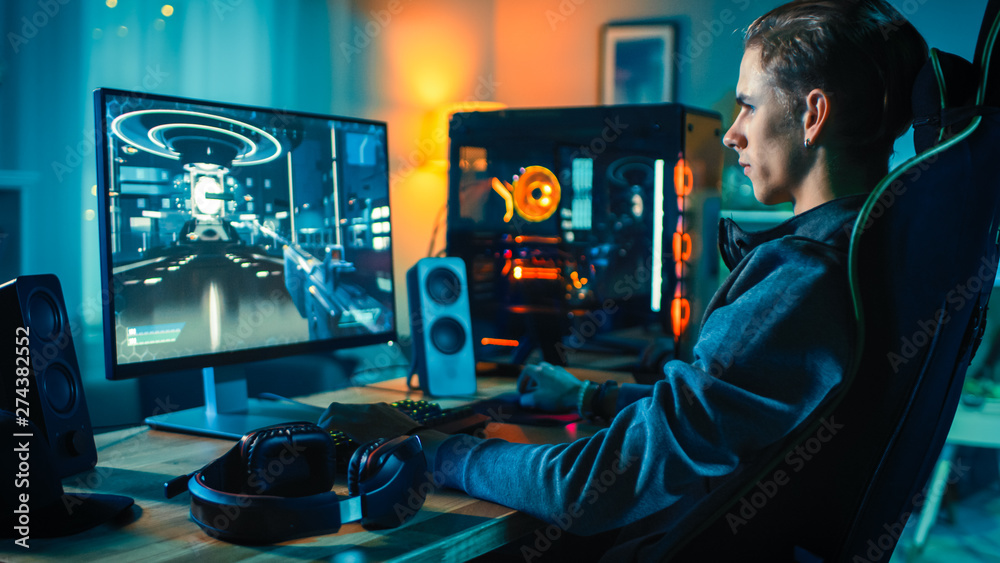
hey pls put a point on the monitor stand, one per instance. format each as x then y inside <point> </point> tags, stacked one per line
<point>228,411</point>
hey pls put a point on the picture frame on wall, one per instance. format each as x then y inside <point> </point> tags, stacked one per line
<point>637,63</point>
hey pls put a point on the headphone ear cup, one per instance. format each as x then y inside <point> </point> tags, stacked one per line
<point>269,470</point>
<point>358,464</point>
<point>388,474</point>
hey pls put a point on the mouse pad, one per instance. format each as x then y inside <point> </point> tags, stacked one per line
<point>509,407</point>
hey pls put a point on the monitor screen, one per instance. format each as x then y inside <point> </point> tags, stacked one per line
<point>232,234</point>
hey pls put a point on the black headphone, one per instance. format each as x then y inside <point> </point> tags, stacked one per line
<point>274,485</point>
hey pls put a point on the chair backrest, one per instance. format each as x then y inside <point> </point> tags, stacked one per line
<point>922,273</point>
<point>923,261</point>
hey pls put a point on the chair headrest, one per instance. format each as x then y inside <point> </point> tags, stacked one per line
<point>949,90</point>
<point>945,82</point>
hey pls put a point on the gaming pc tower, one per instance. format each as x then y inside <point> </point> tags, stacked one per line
<point>586,227</point>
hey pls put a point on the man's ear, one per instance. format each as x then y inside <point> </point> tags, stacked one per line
<point>816,116</point>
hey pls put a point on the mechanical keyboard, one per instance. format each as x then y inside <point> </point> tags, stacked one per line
<point>455,420</point>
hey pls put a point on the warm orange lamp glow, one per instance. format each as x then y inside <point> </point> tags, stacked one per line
<point>432,56</point>
<point>433,142</point>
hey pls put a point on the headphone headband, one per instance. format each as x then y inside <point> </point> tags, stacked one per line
<point>274,485</point>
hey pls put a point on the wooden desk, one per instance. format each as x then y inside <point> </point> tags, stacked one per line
<point>135,462</point>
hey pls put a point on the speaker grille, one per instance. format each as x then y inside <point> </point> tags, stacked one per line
<point>447,335</point>
<point>443,286</point>
<point>44,317</point>
<point>58,399</point>
<point>59,388</point>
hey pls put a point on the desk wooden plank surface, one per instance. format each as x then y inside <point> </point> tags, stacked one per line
<point>978,427</point>
<point>137,461</point>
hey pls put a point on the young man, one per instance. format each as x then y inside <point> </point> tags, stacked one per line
<point>823,92</point>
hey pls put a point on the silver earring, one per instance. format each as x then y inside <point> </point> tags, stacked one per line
<point>808,146</point>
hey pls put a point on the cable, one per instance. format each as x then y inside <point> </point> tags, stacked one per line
<point>437,226</point>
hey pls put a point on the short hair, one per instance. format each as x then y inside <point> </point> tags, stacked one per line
<point>862,52</point>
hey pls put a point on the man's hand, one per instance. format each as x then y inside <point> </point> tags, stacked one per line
<point>366,422</point>
<point>549,388</point>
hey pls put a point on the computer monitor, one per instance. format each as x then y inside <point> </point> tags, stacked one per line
<point>231,234</point>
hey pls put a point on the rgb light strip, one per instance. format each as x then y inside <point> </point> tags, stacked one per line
<point>680,307</point>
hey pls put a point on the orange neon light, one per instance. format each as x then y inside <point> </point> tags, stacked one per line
<point>538,240</point>
<point>683,178</point>
<point>534,195</point>
<point>522,272</point>
<point>680,315</point>
<point>499,342</point>
<point>682,247</point>
<point>508,199</point>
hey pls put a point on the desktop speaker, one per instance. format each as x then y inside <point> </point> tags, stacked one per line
<point>443,357</point>
<point>41,377</point>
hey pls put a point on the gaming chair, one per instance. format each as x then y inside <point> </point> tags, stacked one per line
<point>923,260</point>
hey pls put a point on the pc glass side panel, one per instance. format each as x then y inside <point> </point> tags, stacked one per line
<point>566,220</point>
